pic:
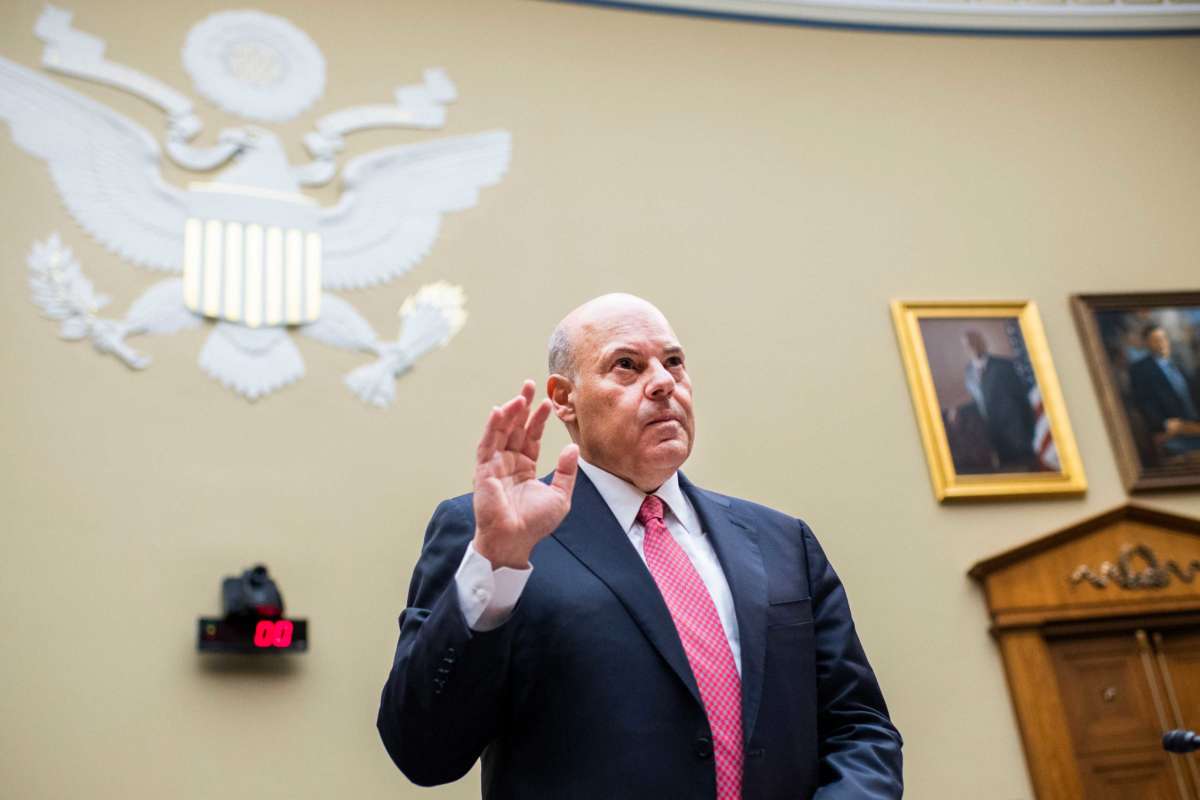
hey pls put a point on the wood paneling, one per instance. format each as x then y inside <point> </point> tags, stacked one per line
<point>1109,702</point>
<point>1178,655</point>
<point>1044,587</point>
<point>1044,737</point>
<point>1130,777</point>
<point>1101,647</point>
<point>1116,712</point>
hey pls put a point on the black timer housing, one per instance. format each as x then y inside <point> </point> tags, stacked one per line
<point>253,623</point>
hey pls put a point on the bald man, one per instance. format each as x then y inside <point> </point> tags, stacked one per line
<point>614,631</point>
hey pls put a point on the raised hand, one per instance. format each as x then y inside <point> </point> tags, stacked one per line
<point>513,509</point>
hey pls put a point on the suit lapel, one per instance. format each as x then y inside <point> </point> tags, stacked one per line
<point>736,545</point>
<point>591,533</point>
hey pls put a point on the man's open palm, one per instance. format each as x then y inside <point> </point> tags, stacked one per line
<point>513,509</point>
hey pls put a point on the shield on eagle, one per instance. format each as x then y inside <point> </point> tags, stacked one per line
<point>251,255</point>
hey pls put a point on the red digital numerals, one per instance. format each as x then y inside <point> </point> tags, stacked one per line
<point>273,633</point>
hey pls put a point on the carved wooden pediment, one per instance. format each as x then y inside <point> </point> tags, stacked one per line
<point>1131,560</point>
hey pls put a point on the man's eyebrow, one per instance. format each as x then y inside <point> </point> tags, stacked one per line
<point>617,349</point>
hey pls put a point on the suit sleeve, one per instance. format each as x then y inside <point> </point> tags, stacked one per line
<point>1146,396</point>
<point>859,746</point>
<point>443,700</point>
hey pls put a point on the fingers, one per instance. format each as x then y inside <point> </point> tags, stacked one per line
<point>487,444</point>
<point>520,414</point>
<point>566,470</point>
<point>505,427</point>
<point>496,430</point>
<point>533,431</point>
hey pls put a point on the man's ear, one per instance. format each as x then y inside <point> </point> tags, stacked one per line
<point>561,392</point>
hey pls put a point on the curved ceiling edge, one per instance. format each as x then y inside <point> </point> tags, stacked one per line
<point>1080,17</point>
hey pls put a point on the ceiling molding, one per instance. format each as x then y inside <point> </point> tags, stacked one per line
<point>1029,17</point>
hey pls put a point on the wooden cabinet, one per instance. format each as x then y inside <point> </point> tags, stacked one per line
<point>1114,693</point>
<point>1099,629</point>
<point>1177,653</point>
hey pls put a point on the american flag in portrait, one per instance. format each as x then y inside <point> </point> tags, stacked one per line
<point>1043,440</point>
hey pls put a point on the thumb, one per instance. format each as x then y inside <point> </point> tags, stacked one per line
<point>566,470</point>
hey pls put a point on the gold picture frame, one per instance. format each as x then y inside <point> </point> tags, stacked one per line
<point>998,348</point>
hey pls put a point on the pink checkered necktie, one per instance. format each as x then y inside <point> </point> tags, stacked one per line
<point>704,642</point>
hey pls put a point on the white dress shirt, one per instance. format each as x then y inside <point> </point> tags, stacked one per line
<point>487,597</point>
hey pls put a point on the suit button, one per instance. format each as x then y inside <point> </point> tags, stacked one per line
<point>703,747</point>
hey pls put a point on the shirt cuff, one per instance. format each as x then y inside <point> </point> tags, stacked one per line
<point>487,596</point>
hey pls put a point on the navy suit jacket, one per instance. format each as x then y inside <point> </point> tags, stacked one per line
<point>1010,418</point>
<point>585,692</point>
<point>1155,396</point>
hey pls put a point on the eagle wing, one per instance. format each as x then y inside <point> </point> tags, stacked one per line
<point>393,199</point>
<point>105,166</point>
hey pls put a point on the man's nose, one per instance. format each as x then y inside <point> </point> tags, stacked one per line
<point>662,383</point>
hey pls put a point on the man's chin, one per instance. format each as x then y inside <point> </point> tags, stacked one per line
<point>668,454</point>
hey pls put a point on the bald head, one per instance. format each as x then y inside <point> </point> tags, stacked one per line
<point>976,344</point>
<point>598,313</point>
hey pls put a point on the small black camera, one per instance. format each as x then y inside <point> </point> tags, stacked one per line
<point>252,594</point>
<point>253,623</point>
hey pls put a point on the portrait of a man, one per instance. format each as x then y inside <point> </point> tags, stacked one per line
<point>1144,352</point>
<point>1165,396</point>
<point>989,400</point>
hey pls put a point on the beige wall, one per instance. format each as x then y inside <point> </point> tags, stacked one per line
<point>771,187</point>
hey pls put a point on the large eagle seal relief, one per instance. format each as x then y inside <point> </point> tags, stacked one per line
<point>256,255</point>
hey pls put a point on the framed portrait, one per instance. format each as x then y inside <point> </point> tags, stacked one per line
<point>987,400</point>
<point>1144,355</point>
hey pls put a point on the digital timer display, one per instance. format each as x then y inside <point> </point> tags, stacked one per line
<point>251,635</point>
<point>253,623</point>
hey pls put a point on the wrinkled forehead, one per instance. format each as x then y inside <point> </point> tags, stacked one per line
<point>634,328</point>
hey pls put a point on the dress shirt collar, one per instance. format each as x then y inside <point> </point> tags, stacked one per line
<point>624,499</point>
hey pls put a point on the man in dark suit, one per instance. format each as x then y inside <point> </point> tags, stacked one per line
<point>1002,398</point>
<point>622,633</point>
<point>1164,396</point>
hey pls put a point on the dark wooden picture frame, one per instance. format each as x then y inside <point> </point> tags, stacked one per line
<point>1144,457</point>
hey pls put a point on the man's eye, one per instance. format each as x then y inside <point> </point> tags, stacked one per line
<point>624,363</point>
<point>675,361</point>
